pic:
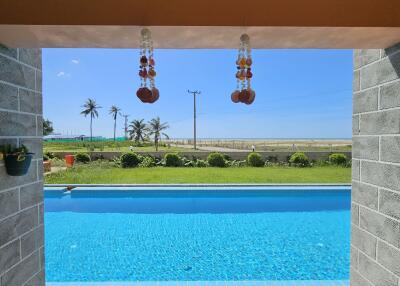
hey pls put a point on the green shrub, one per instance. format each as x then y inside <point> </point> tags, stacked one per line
<point>338,159</point>
<point>129,160</point>
<point>227,157</point>
<point>255,160</point>
<point>172,160</point>
<point>147,162</point>
<point>188,163</point>
<point>45,158</point>
<point>237,163</point>
<point>216,160</point>
<point>299,159</point>
<point>201,163</point>
<point>49,155</point>
<point>82,158</point>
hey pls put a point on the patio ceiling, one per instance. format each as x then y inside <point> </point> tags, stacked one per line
<point>201,23</point>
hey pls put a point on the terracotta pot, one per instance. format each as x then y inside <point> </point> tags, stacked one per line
<point>69,160</point>
<point>235,96</point>
<point>47,166</point>
<point>144,94</point>
<point>155,95</point>
<point>244,95</point>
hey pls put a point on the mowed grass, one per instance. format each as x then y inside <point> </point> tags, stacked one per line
<point>162,175</point>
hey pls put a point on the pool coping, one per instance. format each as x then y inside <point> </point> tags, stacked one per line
<point>198,187</point>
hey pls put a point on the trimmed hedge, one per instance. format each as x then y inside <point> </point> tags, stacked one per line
<point>129,160</point>
<point>299,159</point>
<point>82,158</point>
<point>338,159</point>
<point>172,160</point>
<point>255,160</point>
<point>216,160</point>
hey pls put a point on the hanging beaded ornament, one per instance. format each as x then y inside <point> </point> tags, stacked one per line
<point>147,72</point>
<point>243,92</point>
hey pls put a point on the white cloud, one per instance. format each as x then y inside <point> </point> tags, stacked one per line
<point>74,61</point>
<point>63,74</point>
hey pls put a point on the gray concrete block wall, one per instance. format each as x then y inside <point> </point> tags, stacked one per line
<point>375,231</point>
<point>21,198</point>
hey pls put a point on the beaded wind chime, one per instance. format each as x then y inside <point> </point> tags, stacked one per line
<point>147,92</point>
<point>243,92</point>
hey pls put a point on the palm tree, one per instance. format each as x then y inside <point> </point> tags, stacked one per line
<point>137,130</point>
<point>156,128</point>
<point>114,111</point>
<point>91,108</point>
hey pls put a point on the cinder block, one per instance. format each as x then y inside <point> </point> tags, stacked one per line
<point>389,257</point>
<point>37,280</point>
<point>13,72</point>
<point>356,125</point>
<point>390,95</point>
<point>365,101</point>
<point>357,280</point>
<point>8,182</point>
<point>381,174</point>
<point>355,219</point>
<point>365,195</point>
<point>366,147</point>
<point>8,51</point>
<point>356,80</point>
<point>389,203</point>
<point>17,124</point>
<point>18,224</point>
<point>377,123</point>
<point>390,149</point>
<point>363,241</point>
<point>365,56</point>
<point>375,273</point>
<point>354,257</point>
<point>23,271</point>
<point>8,97</point>
<point>32,241</point>
<point>30,101</point>
<point>9,255</point>
<point>31,195</point>
<point>355,169</point>
<point>9,203</point>
<point>380,226</point>
<point>32,57</point>
<point>381,71</point>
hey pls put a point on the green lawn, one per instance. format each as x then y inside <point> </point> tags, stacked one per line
<point>111,175</point>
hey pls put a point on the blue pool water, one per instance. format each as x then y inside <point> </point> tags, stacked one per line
<point>191,235</point>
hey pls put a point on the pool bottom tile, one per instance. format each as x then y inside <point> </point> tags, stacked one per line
<point>208,283</point>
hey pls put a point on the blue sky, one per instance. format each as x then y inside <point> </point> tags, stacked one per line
<point>299,93</point>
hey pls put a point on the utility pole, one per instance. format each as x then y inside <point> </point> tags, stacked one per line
<point>126,126</point>
<point>194,93</point>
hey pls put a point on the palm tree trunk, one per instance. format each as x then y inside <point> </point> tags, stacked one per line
<point>91,132</point>
<point>156,143</point>
<point>115,127</point>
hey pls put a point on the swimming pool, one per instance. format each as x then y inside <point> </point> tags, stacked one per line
<point>197,234</point>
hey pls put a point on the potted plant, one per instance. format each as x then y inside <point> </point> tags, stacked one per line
<point>17,160</point>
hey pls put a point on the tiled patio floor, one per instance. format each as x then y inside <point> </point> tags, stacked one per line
<point>208,283</point>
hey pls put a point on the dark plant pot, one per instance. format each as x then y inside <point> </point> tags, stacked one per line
<point>15,167</point>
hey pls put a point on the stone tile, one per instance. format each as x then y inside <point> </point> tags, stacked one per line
<point>9,255</point>
<point>9,203</point>
<point>40,170</point>
<point>8,182</point>
<point>356,125</point>
<point>389,203</point>
<point>365,195</point>
<point>15,73</point>
<point>376,123</point>
<point>381,226</point>
<point>39,129</point>
<point>8,97</point>
<point>39,81</point>
<point>380,72</point>
<point>356,81</point>
<point>354,257</point>
<point>20,273</point>
<point>365,101</point>
<point>390,95</point>
<point>34,145</point>
<point>32,57</point>
<point>37,280</point>
<point>16,124</point>
<point>366,147</point>
<point>32,241</point>
<point>357,280</point>
<point>42,258</point>
<point>31,195</point>
<point>393,49</point>
<point>41,213</point>
<point>365,56</point>
<point>363,241</point>
<point>375,273</point>
<point>381,174</point>
<point>355,169</point>
<point>30,101</point>
<point>390,149</point>
<point>18,224</point>
<point>354,214</point>
<point>389,257</point>
<point>8,51</point>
